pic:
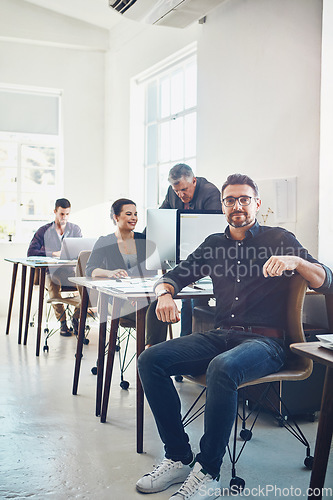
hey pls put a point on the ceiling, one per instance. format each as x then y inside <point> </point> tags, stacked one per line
<point>95,12</point>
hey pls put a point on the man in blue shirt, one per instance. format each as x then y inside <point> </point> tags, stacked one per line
<point>47,242</point>
<point>250,266</point>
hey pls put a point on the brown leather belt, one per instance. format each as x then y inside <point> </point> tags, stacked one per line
<point>267,331</point>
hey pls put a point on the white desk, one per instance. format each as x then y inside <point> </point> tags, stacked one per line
<point>142,301</point>
<point>42,265</point>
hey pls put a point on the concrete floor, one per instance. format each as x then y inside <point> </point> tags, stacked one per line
<point>52,445</point>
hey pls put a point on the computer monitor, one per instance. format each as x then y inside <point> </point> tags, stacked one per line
<point>71,247</point>
<point>177,233</point>
<point>161,230</point>
<point>193,227</point>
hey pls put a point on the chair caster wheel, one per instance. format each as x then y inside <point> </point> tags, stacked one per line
<point>94,370</point>
<point>45,348</point>
<point>46,331</point>
<point>245,434</point>
<point>31,323</point>
<point>237,484</point>
<point>117,348</point>
<point>87,328</point>
<point>124,384</point>
<point>308,462</point>
<point>86,341</point>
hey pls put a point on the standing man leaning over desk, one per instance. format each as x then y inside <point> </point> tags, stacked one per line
<point>188,192</point>
<point>47,242</point>
<point>250,266</point>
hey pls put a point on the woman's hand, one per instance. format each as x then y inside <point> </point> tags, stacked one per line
<point>117,273</point>
<point>108,273</point>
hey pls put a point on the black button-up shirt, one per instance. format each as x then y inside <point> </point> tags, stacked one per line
<point>243,295</point>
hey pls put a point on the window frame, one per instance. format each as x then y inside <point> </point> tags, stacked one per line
<point>139,166</point>
<point>24,225</point>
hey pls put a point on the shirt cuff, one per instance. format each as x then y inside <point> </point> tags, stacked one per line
<point>327,286</point>
<point>170,282</point>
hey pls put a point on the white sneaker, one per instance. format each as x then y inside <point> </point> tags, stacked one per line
<point>163,476</point>
<point>199,485</point>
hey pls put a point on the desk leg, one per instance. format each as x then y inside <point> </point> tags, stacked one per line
<point>103,315</point>
<point>40,307</point>
<point>140,345</point>
<point>23,280</point>
<point>27,318</point>
<point>80,338</point>
<point>11,297</point>
<point>110,358</point>
<point>324,438</point>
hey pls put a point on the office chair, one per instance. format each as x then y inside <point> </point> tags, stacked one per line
<point>126,332</point>
<point>73,300</point>
<point>296,368</point>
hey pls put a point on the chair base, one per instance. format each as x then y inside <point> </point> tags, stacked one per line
<point>284,419</point>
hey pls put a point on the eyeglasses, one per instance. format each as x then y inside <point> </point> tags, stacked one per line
<point>244,201</point>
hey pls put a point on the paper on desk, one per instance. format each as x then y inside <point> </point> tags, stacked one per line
<point>42,258</point>
<point>129,285</point>
<point>326,340</point>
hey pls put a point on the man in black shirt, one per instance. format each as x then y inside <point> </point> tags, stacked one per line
<point>250,266</point>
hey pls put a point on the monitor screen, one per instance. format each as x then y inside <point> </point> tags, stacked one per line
<point>161,230</point>
<point>193,227</point>
<point>177,233</point>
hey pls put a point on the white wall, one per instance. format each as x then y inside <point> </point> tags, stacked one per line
<point>326,146</point>
<point>258,97</point>
<point>41,49</point>
<point>132,52</point>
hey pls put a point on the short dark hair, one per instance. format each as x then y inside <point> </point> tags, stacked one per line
<point>178,171</point>
<point>117,206</point>
<point>63,203</point>
<point>240,179</point>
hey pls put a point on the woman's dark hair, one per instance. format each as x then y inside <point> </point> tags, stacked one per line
<point>117,206</point>
<point>241,179</point>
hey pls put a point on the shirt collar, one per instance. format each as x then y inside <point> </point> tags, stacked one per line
<point>250,233</point>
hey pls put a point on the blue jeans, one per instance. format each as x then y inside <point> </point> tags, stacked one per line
<point>229,359</point>
<point>186,314</point>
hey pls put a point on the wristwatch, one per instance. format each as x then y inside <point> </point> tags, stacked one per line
<point>162,292</point>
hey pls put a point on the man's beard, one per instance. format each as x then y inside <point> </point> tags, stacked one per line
<point>245,222</point>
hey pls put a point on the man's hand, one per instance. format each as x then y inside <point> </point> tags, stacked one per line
<point>277,264</point>
<point>312,272</point>
<point>166,309</point>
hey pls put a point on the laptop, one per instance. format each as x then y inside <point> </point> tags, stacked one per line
<point>71,247</point>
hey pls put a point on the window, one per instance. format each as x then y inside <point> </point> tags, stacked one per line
<point>29,162</point>
<point>170,100</point>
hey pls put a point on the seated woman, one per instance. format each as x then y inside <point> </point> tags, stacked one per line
<point>121,254</point>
